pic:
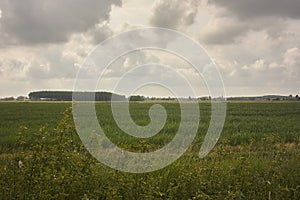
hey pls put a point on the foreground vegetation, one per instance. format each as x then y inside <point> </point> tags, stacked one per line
<point>257,156</point>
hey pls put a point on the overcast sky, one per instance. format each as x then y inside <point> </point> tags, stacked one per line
<point>255,43</point>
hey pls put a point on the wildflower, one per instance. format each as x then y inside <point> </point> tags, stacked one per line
<point>20,164</point>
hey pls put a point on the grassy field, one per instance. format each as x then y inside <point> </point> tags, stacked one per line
<point>256,157</point>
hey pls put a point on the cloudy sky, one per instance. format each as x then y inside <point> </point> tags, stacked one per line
<point>255,43</point>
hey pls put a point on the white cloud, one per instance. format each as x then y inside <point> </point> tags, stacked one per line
<point>292,57</point>
<point>292,63</point>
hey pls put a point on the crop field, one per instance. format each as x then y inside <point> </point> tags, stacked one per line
<point>256,157</point>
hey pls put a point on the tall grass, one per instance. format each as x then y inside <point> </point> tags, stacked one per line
<point>257,157</point>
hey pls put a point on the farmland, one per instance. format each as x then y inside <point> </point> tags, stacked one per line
<point>256,157</point>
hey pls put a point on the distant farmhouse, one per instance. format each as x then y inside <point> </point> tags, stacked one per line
<point>21,98</point>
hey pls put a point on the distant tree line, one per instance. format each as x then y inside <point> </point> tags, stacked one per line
<point>108,96</point>
<point>143,98</point>
<point>136,98</point>
<point>78,96</point>
<point>7,99</point>
<point>266,98</point>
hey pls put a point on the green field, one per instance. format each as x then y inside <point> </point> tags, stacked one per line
<point>256,157</point>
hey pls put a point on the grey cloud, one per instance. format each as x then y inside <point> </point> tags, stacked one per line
<point>234,19</point>
<point>244,9</point>
<point>226,30</point>
<point>50,21</point>
<point>174,14</point>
